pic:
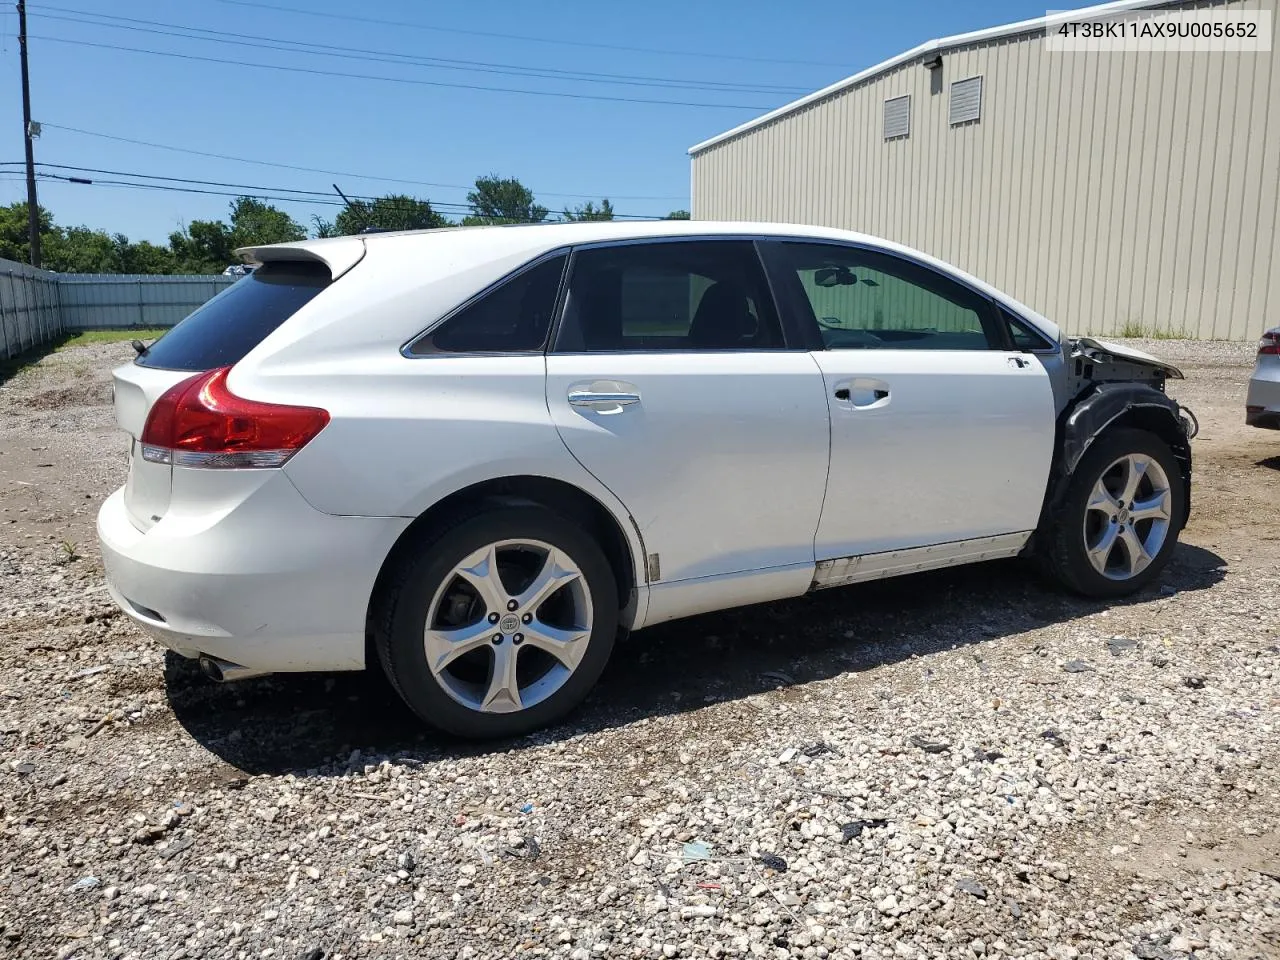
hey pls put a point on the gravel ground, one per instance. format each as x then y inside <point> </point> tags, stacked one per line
<point>959,764</point>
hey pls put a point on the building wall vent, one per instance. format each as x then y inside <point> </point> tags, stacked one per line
<point>966,100</point>
<point>897,117</point>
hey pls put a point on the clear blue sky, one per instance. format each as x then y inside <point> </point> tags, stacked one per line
<point>633,153</point>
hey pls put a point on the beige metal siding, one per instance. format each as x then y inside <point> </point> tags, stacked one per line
<point>1113,192</point>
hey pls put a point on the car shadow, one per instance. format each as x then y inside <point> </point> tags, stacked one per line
<point>309,724</point>
<point>1272,463</point>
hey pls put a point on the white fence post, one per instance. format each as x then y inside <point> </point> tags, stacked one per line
<point>5,307</point>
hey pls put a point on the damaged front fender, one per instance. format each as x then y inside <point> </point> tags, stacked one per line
<point>1108,403</point>
<point>1115,404</point>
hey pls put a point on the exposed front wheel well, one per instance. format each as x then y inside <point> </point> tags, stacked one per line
<point>1099,413</point>
<point>556,495</point>
<point>1159,422</point>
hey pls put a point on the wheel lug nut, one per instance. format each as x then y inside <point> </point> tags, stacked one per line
<point>518,639</point>
<point>511,604</point>
<point>493,618</point>
<point>527,618</point>
<point>497,639</point>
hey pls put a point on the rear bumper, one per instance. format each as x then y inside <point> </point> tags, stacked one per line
<point>268,582</point>
<point>1262,404</point>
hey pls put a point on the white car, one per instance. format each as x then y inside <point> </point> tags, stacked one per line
<point>1262,403</point>
<point>475,456</point>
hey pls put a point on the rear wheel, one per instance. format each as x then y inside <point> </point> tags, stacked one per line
<point>1121,517</point>
<point>500,624</point>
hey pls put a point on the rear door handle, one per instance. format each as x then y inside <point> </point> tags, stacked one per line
<point>863,392</point>
<point>587,398</point>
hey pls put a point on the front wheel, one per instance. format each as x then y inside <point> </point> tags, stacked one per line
<point>499,625</point>
<point>1119,522</point>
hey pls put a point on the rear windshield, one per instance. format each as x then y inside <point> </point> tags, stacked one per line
<point>226,328</point>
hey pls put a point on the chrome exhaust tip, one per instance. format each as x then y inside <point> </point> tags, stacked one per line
<point>224,671</point>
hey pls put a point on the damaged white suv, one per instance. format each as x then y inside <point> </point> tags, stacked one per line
<point>475,455</point>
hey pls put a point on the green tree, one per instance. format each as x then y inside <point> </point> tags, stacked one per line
<point>208,246</point>
<point>202,246</point>
<point>394,212</point>
<point>143,256</point>
<point>254,223</point>
<point>589,211</point>
<point>677,215</point>
<point>80,250</point>
<point>323,228</point>
<point>14,237</point>
<point>499,200</point>
<point>84,250</point>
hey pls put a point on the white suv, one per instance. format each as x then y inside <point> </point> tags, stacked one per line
<point>484,452</point>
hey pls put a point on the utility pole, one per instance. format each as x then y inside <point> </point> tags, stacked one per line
<point>33,204</point>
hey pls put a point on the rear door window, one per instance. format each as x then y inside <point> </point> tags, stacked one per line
<point>669,295</point>
<point>225,329</point>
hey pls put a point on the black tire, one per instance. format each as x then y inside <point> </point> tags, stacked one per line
<point>400,618</point>
<point>1065,554</point>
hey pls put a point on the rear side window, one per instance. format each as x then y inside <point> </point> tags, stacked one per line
<point>226,328</point>
<point>512,317</point>
<point>681,295</point>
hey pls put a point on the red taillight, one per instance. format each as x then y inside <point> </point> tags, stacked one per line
<point>200,423</point>
<point>1270,342</point>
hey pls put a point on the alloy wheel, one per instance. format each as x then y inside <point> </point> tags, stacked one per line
<point>1127,517</point>
<point>508,626</point>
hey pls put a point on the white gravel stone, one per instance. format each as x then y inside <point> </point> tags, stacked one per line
<point>1099,811</point>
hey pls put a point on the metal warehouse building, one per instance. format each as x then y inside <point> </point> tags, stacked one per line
<point>1112,191</point>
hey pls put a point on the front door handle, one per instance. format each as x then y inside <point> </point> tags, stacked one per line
<point>863,393</point>
<point>589,398</point>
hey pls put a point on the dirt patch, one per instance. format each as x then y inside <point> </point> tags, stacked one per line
<point>79,395</point>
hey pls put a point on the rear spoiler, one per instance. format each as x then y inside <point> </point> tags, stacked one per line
<point>339,254</point>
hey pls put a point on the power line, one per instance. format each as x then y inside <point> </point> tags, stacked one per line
<point>405,59</point>
<point>700,54</point>
<point>335,173</point>
<point>600,97</point>
<point>255,189</point>
<point>166,187</point>
<point>205,183</point>
<point>309,197</point>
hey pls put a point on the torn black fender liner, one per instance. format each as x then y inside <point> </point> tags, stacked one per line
<point>1099,408</point>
